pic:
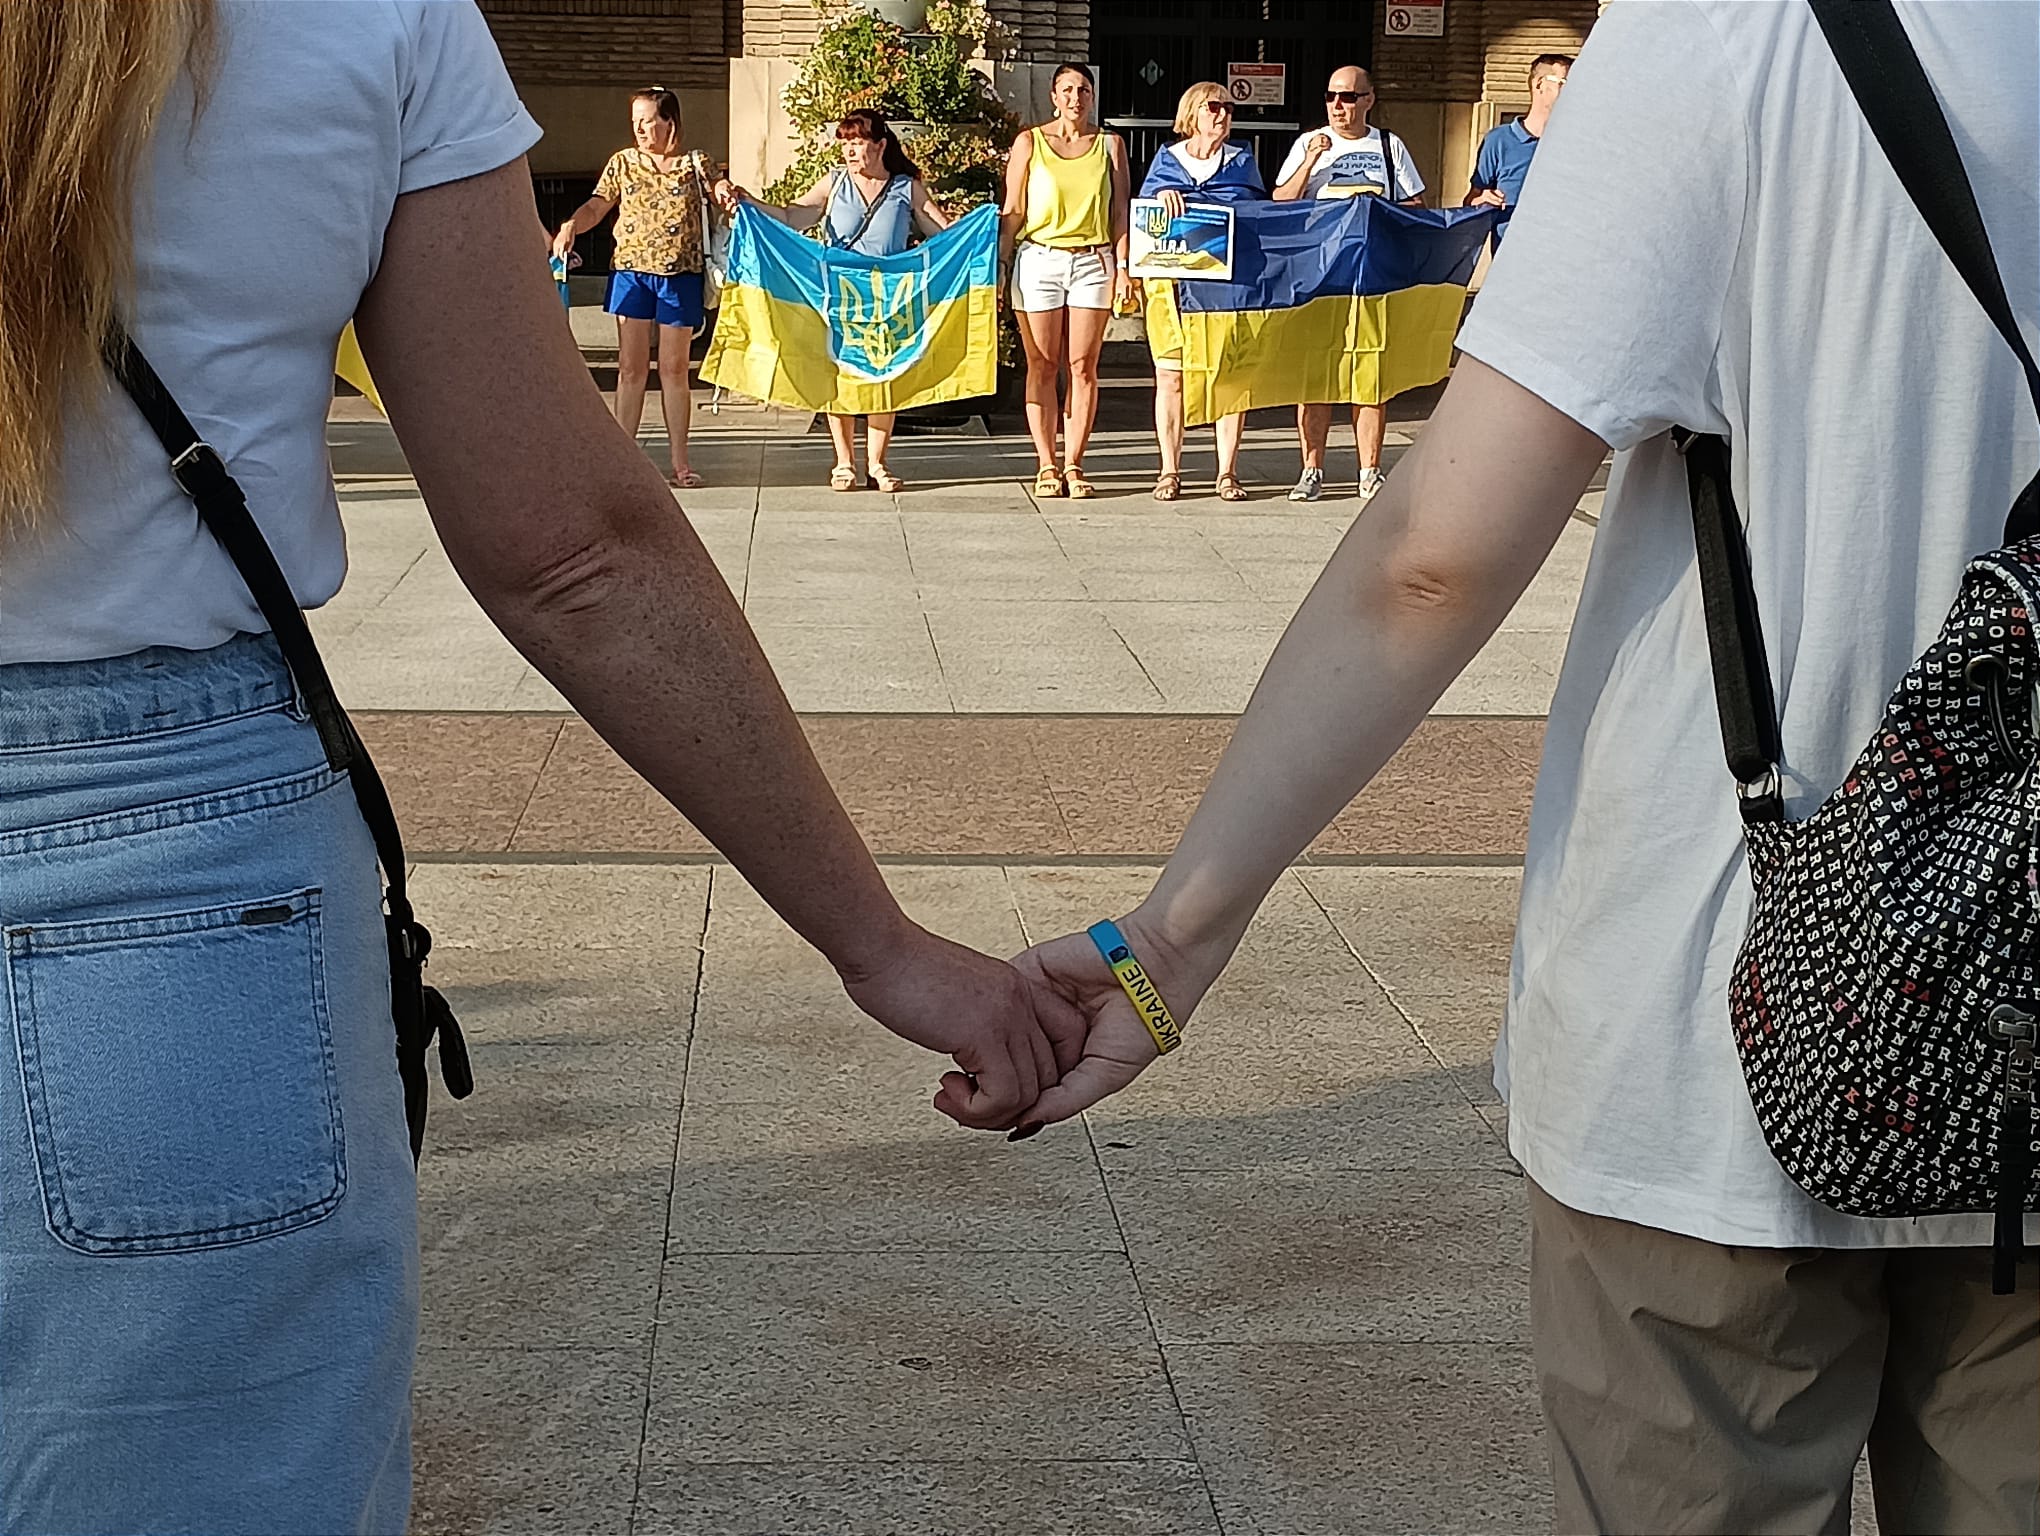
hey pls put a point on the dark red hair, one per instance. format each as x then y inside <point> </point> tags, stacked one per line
<point>867,124</point>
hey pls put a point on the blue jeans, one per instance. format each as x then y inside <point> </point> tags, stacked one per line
<point>208,1238</point>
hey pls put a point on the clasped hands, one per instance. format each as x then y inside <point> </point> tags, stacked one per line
<point>1035,1041</point>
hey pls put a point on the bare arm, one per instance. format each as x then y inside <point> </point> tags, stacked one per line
<point>1413,591</point>
<point>928,215</point>
<point>1014,209</point>
<point>1122,197</point>
<point>583,219</point>
<point>1290,189</point>
<point>565,534</point>
<point>804,212</point>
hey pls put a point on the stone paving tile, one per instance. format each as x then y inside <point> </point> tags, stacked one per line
<point>921,786</point>
<point>829,554</point>
<point>1295,1059</point>
<point>774,1026</point>
<point>1031,657</point>
<point>989,559</point>
<point>944,784</point>
<point>860,1358</point>
<point>542,1220</point>
<point>1439,942</point>
<point>1457,787</point>
<point>1152,557</point>
<point>845,1175</point>
<point>909,1498</point>
<point>1332,1440</point>
<point>1205,657</point>
<point>878,664</point>
<point>510,1443</point>
<point>573,983</point>
<point>1330,1256</point>
<point>458,782</point>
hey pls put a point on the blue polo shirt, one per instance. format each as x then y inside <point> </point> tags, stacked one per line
<point>1504,160</point>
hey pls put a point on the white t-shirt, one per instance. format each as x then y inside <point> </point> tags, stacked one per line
<point>1353,167</point>
<point>1711,238</point>
<point>1199,171</point>
<point>255,235</point>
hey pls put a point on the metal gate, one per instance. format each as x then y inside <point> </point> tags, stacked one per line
<point>1149,51</point>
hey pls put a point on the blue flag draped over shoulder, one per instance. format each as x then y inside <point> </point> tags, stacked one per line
<point>1346,299</point>
<point>822,329</point>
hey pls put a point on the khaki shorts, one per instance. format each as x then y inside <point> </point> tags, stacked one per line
<point>1690,1386</point>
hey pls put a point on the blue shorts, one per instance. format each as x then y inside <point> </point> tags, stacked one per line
<point>674,300</point>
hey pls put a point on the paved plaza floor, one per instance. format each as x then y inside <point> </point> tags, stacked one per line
<point>700,1259</point>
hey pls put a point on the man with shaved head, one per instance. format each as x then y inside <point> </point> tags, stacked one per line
<point>1346,158</point>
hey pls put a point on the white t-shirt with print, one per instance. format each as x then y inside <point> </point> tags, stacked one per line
<point>1711,238</point>
<point>1353,167</point>
<point>256,233</point>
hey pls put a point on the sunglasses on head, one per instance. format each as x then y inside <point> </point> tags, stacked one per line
<point>1346,98</point>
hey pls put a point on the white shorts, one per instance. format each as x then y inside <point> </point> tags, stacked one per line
<point>1047,278</point>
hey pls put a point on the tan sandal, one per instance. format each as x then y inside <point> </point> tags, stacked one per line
<point>885,480</point>
<point>1080,489</point>
<point>1230,489</point>
<point>843,478</point>
<point>1048,481</point>
<point>1168,486</point>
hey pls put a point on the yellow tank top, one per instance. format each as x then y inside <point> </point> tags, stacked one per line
<point>1069,202</point>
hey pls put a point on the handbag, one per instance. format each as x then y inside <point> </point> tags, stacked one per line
<point>1884,997</point>
<point>715,240</point>
<point>419,1012</point>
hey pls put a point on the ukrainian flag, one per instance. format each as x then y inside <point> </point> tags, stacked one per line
<point>820,329</point>
<point>1348,299</point>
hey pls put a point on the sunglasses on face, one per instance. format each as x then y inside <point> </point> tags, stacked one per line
<point>1218,108</point>
<point>1347,98</point>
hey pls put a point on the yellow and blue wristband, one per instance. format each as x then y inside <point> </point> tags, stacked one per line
<point>1139,988</point>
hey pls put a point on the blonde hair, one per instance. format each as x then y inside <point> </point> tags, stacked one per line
<point>1192,102</point>
<point>82,84</point>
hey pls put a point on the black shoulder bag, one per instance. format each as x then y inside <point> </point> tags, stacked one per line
<point>1885,996</point>
<point>419,1011</point>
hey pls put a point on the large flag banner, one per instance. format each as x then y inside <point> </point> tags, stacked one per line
<point>819,329</point>
<point>1344,300</point>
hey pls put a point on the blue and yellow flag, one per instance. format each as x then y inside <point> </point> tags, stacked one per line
<point>1348,299</point>
<point>821,329</point>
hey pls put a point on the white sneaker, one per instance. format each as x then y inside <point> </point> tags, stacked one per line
<point>1371,480</point>
<point>1309,487</point>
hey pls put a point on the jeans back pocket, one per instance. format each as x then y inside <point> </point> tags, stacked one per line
<point>179,1074</point>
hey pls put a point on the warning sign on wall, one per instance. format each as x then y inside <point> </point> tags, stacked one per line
<point>1416,18</point>
<point>1256,85</point>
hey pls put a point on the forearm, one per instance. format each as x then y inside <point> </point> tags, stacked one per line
<point>637,628</point>
<point>1414,590</point>
<point>1289,191</point>
<point>586,217</point>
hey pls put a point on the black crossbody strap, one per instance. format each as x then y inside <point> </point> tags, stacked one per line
<point>420,1013</point>
<point>1891,87</point>
<point>1735,637</point>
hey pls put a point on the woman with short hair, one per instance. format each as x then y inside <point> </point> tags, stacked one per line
<point>659,193</point>
<point>873,204</point>
<point>1062,233</point>
<point>1205,165</point>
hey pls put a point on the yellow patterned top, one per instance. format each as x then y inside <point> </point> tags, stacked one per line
<point>658,213</point>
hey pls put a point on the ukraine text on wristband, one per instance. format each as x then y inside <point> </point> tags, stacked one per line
<point>1139,989</point>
